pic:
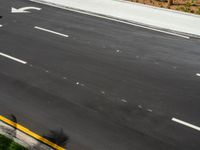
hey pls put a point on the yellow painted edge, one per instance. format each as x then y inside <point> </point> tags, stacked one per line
<point>30,133</point>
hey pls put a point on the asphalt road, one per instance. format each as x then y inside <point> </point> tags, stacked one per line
<point>108,85</point>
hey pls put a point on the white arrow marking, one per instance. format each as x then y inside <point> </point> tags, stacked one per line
<point>23,9</point>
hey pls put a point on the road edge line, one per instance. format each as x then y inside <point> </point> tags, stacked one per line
<point>30,133</point>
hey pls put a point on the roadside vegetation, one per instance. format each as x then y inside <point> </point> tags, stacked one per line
<point>8,144</point>
<point>190,6</point>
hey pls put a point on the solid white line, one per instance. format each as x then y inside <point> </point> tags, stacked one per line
<point>110,18</point>
<point>166,32</point>
<point>43,29</point>
<point>186,124</point>
<point>13,58</point>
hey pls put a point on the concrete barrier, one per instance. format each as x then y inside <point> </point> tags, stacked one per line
<point>138,13</point>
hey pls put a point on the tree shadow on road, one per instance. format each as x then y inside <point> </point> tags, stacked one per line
<point>57,137</point>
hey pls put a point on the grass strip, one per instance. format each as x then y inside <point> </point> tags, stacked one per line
<point>8,144</point>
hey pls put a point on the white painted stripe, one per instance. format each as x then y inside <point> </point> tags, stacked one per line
<point>198,74</point>
<point>110,18</point>
<point>43,29</point>
<point>1,25</point>
<point>166,32</point>
<point>186,124</point>
<point>13,58</point>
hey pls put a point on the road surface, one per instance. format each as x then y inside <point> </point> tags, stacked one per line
<point>108,85</point>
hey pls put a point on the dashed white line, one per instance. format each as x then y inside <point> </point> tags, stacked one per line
<point>186,124</point>
<point>118,51</point>
<point>103,92</point>
<point>198,74</point>
<point>64,78</point>
<point>50,31</point>
<point>13,58</point>
<point>1,25</point>
<point>123,100</point>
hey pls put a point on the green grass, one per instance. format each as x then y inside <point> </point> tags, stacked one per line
<point>8,144</point>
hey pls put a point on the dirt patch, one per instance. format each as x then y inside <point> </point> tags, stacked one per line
<point>190,6</point>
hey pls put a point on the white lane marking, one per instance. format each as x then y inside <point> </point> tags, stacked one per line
<point>13,58</point>
<point>186,124</point>
<point>118,51</point>
<point>166,32</point>
<point>198,74</point>
<point>103,92</point>
<point>64,78</point>
<point>1,25</point>
<point>123,100</point>
<point>109,18</point>
<point>43,29</point>
<point>149,110</point>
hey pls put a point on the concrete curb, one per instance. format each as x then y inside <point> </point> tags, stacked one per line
<point>25,137</point>
<point>22,138</point>
<point>188,29</point>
